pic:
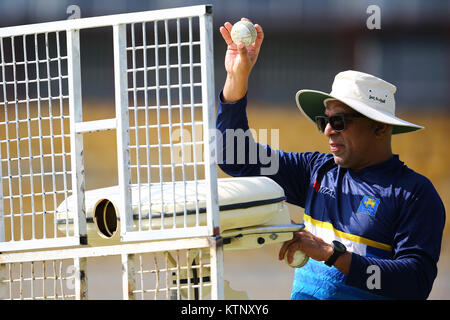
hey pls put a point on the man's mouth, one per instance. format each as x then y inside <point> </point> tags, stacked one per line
<point>335,147</point>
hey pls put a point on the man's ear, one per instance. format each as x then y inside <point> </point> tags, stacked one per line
<point>381,129</point>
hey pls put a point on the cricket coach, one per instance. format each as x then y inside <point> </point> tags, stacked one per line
<point>366,213</point>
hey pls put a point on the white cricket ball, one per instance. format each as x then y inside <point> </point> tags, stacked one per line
<point>300,259</point>
<point>243,31</point>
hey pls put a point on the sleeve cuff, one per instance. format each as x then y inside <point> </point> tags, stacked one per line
<point>357,271</point>
<point>242,101</point>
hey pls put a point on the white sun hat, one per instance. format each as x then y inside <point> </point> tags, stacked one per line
<point>366,94</point>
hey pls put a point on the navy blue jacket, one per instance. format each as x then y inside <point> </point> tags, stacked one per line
<point>390,217</point>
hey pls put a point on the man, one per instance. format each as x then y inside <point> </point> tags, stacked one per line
<point>373,226</point>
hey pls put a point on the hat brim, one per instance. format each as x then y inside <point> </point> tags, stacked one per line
<point>311,104</point>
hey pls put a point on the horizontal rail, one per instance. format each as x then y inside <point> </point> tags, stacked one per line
<point>95,125</point>
<point>86,252</point>
<point>37,244</point>
<point>104,21</point>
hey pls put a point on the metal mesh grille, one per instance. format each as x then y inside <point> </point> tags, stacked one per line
<point>150,271</point>
<point>34,135</point>
<point>164,100</point>
<point>165,120</point>
<point>163,105</point>
<point>39,280</point>
<point>181,274</point>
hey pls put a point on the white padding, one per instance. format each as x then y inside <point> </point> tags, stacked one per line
<point>243,202</point>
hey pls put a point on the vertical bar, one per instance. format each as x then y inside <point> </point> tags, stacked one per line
<point>169,110</point>
<point>21,280</point>
<point>158,120</point>
<point>61,280</point>
<point>209,124</point>
<point>192,101</point>
<point>55,281</point>
<point>52,139</point>
<point>200,274</point>
<point>123,140</point>
<point>167,272</point>
<point>4,281</point>
<point>8,155</point>
<point>188,274</point>
<point>217,270</point>
<point>175,293</point>
<point>147,136</point>
<point>141,277</point>
<point>208,101</point>
<point>81,292</point>
<point>10,281</point>
<point>63,131</point>
<point>32,277</point>
<point>30,152</point>
<point>180,100</point>
<point>5,103</point>
<point>44,277</point>
<point>136,126</point>
<point>128,279</point>
<point>18,155</point>
<point>155,263</point>
<point>41,152</point>
<point>178,272</point>
<point>76,139</point>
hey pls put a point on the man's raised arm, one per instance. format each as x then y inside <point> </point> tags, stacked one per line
<point>239,61</point>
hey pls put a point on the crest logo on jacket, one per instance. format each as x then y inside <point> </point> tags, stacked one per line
<point>369,205</point>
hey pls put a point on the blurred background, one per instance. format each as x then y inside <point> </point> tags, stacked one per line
<point>307,42</point>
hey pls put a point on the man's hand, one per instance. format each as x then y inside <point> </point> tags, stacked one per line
<point>239,61</point>
<point>315,248</point>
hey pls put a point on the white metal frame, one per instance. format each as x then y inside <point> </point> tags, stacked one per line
<point>121,123</point>
<point>211,231</point>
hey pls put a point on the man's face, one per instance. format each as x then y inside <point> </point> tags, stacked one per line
<point>352,147</point>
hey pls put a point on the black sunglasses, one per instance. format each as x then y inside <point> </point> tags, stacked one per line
<point>337,122</point>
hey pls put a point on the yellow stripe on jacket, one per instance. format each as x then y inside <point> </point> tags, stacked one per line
<point>343,235</point>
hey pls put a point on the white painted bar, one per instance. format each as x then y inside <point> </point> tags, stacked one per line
<point>81,278</point>
<point>4,285</point>
<point>104,21</point>
<point>192,100</point>
<point>30,135</point>
<point>87,252</point>
<point>209,123</point>
<point>95,125</point>
<point>2,210</point>
<point>217,268</point>
<point>38,244</point>
<point>76,139</point>
<point>128,272</point>
<point>123,137</point>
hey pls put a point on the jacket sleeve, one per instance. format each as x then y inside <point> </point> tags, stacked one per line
<point>238,154</point>
<point>417,244</point>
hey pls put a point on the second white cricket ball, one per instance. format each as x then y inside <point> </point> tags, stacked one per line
<point>299,260</point>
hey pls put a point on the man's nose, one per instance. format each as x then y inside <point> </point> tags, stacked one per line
<point>329,130</point>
